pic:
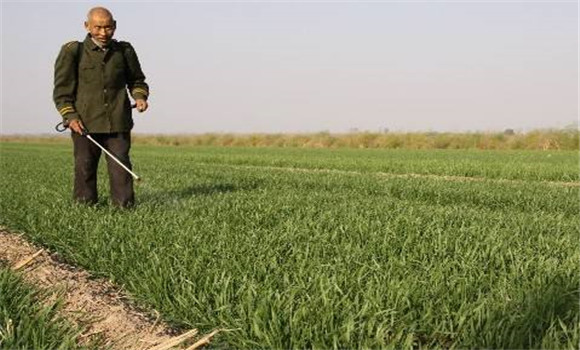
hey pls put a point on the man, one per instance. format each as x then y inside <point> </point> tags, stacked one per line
<point>90,92</point>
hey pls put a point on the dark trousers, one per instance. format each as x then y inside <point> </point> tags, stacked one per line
<point>87,156</point>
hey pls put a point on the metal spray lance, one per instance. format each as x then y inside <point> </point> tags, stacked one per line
<point>60,127</point>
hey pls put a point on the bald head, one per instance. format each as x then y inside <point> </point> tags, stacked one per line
<point>100,24</point>
<point>99,12</point>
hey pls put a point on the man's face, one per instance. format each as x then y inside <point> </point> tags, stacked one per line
<point>101,27</point>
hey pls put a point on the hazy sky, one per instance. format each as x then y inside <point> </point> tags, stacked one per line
<point>265,66</point>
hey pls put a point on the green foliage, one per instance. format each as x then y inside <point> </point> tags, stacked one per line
<point>29,321</point>
<point>322,248</point>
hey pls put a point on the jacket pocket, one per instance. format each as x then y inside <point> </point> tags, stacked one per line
<point>87,73</point>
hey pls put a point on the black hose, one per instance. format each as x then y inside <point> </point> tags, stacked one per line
<point>61,127</point>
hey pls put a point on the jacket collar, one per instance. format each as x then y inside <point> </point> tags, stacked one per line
<point>94,47</point>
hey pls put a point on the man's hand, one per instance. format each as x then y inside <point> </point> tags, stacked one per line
<point>76,126</point>
<point>141,105</point>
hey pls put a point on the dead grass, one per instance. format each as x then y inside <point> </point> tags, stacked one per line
<point>561,139</point>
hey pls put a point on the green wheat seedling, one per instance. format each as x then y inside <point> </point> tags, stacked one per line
<point>28,320</point>
<point>318,248</point>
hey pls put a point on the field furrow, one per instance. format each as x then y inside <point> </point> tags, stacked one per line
<point>326,248</point>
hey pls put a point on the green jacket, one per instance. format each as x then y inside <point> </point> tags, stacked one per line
<point>92,85</point>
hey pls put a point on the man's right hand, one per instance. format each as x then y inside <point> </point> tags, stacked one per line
<point>76,126</point>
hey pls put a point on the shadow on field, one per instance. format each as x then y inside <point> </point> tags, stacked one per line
<point>537,318</point>
<point>204,190</point>
<point>195,190</point>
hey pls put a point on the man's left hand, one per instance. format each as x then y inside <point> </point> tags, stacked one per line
<point>141,105</point>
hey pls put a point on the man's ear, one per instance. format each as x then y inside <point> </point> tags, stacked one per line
<point>86,25</point>
<point>115,24</point>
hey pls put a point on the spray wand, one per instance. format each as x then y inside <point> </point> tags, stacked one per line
<point>62,126</point>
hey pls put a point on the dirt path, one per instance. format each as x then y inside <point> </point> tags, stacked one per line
<point>95,303</point>
<point>394,175</point>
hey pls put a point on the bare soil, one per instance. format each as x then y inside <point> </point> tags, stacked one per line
<point>95,304</point>
<point>402,175</point>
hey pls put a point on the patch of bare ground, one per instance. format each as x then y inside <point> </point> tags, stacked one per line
<point>396,175</point>
<point>97,305</point>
